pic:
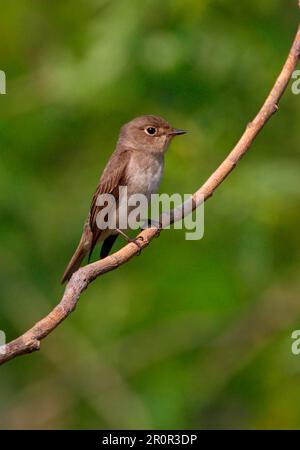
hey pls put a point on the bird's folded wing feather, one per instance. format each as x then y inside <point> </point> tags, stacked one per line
<point>114,175</point>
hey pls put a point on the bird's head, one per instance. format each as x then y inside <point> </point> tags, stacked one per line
<point>148,133</point>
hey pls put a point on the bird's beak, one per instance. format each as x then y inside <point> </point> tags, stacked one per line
<point>176,132</point>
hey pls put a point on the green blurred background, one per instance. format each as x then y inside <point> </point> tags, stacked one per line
<point>191,333</point>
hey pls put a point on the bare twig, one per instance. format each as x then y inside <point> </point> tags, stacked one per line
<point>30,340</point>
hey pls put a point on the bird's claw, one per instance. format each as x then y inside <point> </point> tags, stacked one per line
<point>135,241</point>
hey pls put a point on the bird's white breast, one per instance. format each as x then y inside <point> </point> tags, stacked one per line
<point>144,173</point>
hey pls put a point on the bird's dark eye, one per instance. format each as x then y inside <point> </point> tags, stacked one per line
<point>151,130</point>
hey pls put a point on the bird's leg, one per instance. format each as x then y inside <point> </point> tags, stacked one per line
<point>130,240</point>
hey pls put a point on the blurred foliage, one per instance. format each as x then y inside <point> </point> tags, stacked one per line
<point>190,334</point>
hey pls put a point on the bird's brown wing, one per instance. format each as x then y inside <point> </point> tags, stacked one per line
<point>114,175</point>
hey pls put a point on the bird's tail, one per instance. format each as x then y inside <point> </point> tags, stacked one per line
<point>81,251</point>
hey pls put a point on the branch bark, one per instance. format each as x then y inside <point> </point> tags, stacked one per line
<point>30,340</point>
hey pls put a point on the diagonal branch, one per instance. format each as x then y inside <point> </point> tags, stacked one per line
<point>30,340</point>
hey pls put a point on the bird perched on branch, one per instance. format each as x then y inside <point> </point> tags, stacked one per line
<point>136,163</point>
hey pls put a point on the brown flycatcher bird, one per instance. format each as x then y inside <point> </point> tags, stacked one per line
<point>136,163</point>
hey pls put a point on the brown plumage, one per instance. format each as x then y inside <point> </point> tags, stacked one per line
<point>137,163</point>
